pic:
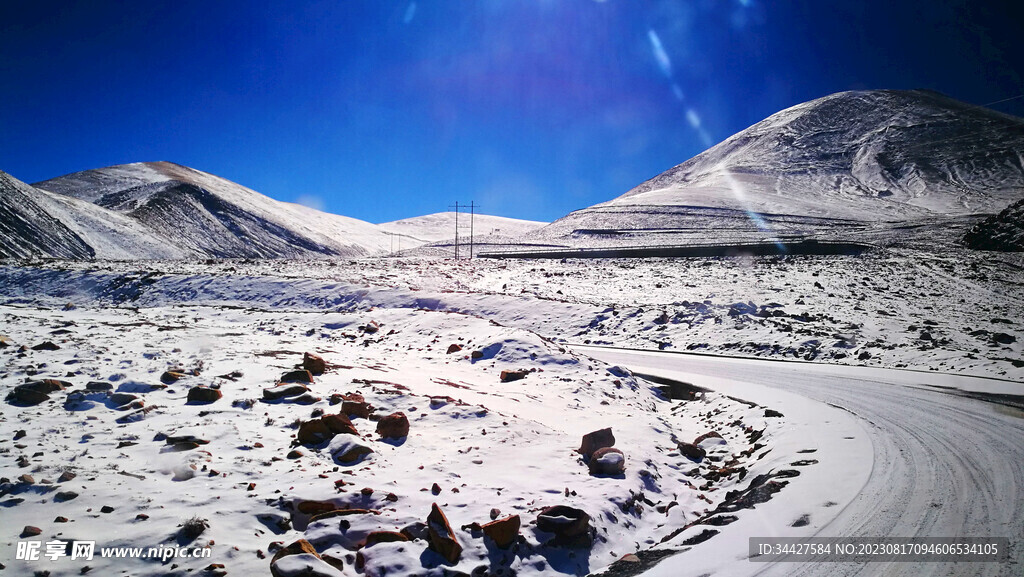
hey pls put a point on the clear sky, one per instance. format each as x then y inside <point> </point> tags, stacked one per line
<point>386,109</point>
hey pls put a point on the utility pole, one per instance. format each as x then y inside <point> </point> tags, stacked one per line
<point>456,229</point>
<point>472,215</point>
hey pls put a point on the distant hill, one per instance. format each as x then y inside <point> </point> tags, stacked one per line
<point>441,226</point>
<point>865,164</point>
<point>201,214</point>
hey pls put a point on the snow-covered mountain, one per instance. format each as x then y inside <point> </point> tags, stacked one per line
<point>28,229</point>
<point>853,163</point>
<point>201,214</point>
<point>441,226</point>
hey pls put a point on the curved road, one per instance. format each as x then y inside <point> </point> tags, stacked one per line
<point>944,465</point>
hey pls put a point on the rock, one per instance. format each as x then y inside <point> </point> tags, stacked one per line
<point>393,426</point>
<point>692,452</point>
<point>384,537</point>
<point>46,346</point>
<point>283,391</point>
<point>300,547</point>
<point>503,532</point>
<point>495,512</point>
<point>61,519</point>
<point>47,385</point>
<point>98,386</point>
<point>119,399</point>
<point>66,476</point>
<point>370,328</point>
<point>31,531</point>
<point>20,434</point>
<point>705,436</point>
<point>1003,338</point>
<point>106,509</point>
<point>27,479</point>
<point>596,440</point>
<point>315,364</point>
<point>26,396</point>
<point>476,355</point>
<point>202,394</point>
<point>771,413</point>
<point>508,376</point>
<point>454,348</point>
<point>607,461</point>
<point>359,409</point>
<point>440,537</point>
<point>316,431</point>
<point>435,489</point>
<point>62,496</point>
<point>171,377</point>
<point>294,454</point>
<point>301,376</point>
<point>348,449</point>
<point>570,526</point>
<point>415,531</point>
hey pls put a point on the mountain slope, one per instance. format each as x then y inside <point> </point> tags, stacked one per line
<point>27,229</point>
<point>200,213</point>
<point>839,165</point>
<point>1003,232</point>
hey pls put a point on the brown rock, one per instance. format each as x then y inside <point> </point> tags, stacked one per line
<point>283,391</point>
<point>122,398</point>
<point>393,426</point>
<point>596,440</point>
<point>315,364</point>
<point>202,394</point>
<point>293,454</point>
<point>65,477</point>
<point>324,428</point>
<point>31,531</point>
<point>440,537</point>
<point>495,512</point>
<point>171,377</point>
<point>26,396</point>
<point>503,531</point>
<point>384,537</point>
<point>371,327</point>
<point>349,450</point>
<point>508,376</point>
<point>454,348</point>
<point>570,526</point>
<point>316,507</point>
<point>27,479</point>
<point>693,452</point>
<point>359,409</point>
<point>607,461</point>
<point>60,519</point>
<point>476,355</point>
<point>297,548</point>
<point>709,435</point>
<point>301,376</point>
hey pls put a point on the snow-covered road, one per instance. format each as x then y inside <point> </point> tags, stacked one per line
<point>943,465</point>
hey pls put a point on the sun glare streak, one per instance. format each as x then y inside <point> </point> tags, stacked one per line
<point>660,56</point>
<point>740,194</point>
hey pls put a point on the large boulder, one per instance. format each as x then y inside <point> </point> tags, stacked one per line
<point>316,431</point>
<point>440,537</point>
<point>570,526</point>
<point>596,440</point>
<point>360,409</point>
<point>284,391</point>
<point>203,395</point>
<point>315,364</point>
<point>348,449</point>
<point>607,461</point>
<point>393,426</point>
<point>300,376</point>
<point>503,532</point>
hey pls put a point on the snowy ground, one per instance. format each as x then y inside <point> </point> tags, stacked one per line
<point>487,444</point>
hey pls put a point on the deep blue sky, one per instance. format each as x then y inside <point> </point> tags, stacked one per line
<point>382,109</point>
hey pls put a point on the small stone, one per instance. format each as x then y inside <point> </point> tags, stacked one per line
<point>60,519</point>
<point>454,348</point>
<point>46,346</point>
<point>509,376</point>
<point>106,509</point>
<point>393,426</point>
<point>31,531</point>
